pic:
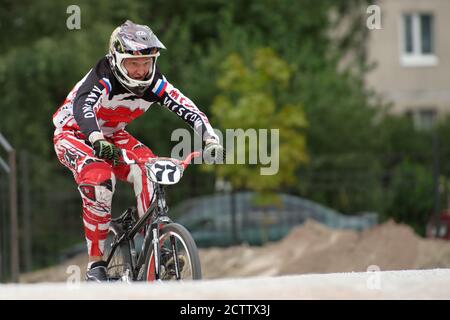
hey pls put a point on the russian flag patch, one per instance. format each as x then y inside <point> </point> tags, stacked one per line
<point>106,84</point>
<point>160,87</point>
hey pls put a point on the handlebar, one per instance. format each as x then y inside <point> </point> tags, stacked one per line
<point>189,157</point>
<point>184,162</point>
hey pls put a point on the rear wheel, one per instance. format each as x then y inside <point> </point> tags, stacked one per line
<point>119,267</point>
<point>186,260</point>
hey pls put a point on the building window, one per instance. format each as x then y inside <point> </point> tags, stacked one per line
<point>423,119</point>
<point>418,47</point>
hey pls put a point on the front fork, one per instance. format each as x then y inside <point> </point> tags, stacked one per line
<point>175,256</point>
<point>155,232</point>
<point>155,227</point>
<point>156,250</point>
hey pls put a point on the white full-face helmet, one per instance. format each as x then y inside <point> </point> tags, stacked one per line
<point>132,40</point>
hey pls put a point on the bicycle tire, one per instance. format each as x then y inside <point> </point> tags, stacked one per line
<point>189,246</point>
<point>121,260</point>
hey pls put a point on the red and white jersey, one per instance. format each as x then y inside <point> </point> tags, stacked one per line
<point>99,102</point>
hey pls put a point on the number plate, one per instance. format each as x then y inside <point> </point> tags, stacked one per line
<point>164,172</point>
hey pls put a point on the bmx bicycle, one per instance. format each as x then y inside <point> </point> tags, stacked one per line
<point>168,251</point>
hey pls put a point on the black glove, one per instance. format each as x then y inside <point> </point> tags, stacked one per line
<point>106,150</point>
<point>213,152</point>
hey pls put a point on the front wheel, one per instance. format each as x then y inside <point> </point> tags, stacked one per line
<point>184,265</point>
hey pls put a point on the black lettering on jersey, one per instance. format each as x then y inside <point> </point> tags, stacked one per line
<point>167,101</point>
<point>96,90</point>
<point>87,111</point>
<point>181,111</point>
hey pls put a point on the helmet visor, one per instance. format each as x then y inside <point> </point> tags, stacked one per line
<point>152,52</point>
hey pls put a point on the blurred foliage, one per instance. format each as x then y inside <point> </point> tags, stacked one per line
<point>260,64</point>
<point>248,101</point>
<point>410,182</point>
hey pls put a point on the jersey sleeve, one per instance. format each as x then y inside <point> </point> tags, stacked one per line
<point>87,100</point>
<point>172,98</point>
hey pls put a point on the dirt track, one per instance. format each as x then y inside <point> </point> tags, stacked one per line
<point>312,262</point>
<point>410,284</point>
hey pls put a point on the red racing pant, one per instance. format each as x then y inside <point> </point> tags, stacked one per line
<point>96,179</point>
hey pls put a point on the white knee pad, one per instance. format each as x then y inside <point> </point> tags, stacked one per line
<point>98,198</point>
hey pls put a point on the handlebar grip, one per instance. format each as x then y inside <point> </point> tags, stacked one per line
<point>188,159</point>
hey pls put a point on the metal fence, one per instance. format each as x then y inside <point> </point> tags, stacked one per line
<point>51,227</point>
<point>9,217</point>
<point>4,224</point>
<point>232,218</point>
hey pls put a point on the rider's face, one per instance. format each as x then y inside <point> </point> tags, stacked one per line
<point>138,68</point>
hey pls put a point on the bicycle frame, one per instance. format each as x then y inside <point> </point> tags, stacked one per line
<point>156,217</point>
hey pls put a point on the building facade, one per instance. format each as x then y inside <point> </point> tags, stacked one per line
<point>411,51</point>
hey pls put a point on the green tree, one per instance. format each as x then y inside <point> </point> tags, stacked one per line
<point>248,100</point>
<point>410,196</point>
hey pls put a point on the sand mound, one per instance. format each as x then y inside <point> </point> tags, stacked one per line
<point>314,248</point>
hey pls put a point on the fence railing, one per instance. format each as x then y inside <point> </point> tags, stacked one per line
<point>10,169</point>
